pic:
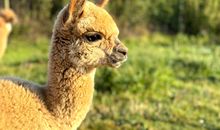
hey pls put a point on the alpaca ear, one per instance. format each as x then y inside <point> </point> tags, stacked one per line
<point>75,10</point>
<point>102,3</point>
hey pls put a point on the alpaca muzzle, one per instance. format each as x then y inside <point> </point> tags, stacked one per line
<point>119,55</point>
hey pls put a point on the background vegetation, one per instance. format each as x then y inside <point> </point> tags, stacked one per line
<point>171,80</point>
<point>170,16</point>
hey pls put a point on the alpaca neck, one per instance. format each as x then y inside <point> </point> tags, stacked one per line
<point>3,45</point>
<point>3,39</point>
<point>69,92</point>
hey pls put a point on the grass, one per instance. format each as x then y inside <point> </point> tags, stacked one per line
<point>168,83</point>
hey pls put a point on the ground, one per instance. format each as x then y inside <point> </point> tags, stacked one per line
<point>168,82</point>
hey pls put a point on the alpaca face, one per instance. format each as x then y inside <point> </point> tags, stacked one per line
<point>95,37</point>
<point>9,16</point>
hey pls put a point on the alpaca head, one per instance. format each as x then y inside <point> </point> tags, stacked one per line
<point>8,15</point>
<point>92,35</point>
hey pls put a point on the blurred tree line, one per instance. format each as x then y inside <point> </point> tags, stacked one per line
<point>133,16</point>
<point>171,16</point>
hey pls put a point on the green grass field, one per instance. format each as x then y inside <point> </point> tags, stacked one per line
<point>168,83</point>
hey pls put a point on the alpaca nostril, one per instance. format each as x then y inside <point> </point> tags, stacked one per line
<point>122,51</point>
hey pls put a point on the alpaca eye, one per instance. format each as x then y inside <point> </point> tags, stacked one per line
<point>93,37</point>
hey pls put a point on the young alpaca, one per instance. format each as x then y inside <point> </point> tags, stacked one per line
<point>7,18</point>
<point>84,37</point>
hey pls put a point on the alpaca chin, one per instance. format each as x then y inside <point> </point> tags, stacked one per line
<point>9,27</point>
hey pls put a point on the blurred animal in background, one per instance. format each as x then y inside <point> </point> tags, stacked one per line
<point>84,38</point>
<point>7,19</point>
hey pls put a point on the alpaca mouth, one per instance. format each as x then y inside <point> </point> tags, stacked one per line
<point>116,63</point>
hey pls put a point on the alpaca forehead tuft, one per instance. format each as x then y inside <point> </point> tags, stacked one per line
<point>95,18</point>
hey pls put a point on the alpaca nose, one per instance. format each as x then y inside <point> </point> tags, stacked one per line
<point>121,48</point>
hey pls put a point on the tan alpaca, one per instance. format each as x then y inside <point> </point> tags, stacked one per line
<point>84,37</point>
<point>7,18</point>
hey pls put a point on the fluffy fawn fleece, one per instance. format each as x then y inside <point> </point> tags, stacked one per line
<point>7,18</point>
<point>84,37</point>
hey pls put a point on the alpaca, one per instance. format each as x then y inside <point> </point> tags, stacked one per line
<point>84,38</point>
<point>7,18</point>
